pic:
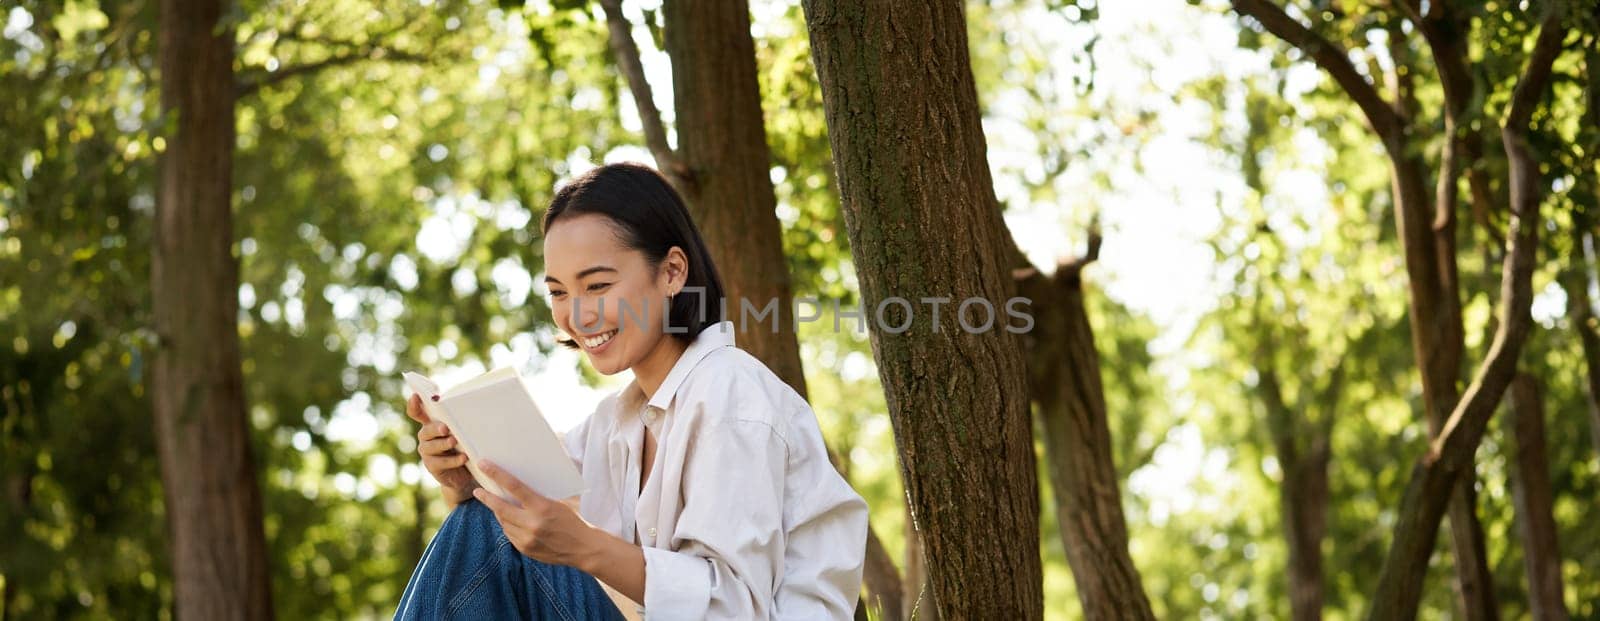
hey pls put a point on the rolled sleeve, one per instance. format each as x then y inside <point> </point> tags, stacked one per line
<point>727,548</point>
<point>677,585</point>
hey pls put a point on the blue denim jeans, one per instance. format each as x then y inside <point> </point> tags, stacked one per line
<point>471,571</point>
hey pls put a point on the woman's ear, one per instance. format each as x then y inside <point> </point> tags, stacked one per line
<point>675,269</point>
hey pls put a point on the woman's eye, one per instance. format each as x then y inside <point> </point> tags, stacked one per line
<point>558,294</point>
<point>599,286</point>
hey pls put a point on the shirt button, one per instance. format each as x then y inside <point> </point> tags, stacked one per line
<point>652,533</point>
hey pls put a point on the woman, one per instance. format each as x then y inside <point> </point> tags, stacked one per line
<point>709,490</point>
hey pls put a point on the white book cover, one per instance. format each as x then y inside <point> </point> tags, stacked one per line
<point>493,417</point>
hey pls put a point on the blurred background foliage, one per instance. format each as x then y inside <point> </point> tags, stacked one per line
<point>393,161</point>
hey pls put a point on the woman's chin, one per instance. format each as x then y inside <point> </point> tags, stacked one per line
<point>605,365</point>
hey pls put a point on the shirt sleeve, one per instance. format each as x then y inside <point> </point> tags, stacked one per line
<point>828,539</point>
<point>727,550</point>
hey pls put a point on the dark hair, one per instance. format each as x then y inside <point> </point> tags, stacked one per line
<point>648,215</point>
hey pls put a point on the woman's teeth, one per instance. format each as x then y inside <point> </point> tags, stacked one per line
<point>597,340</point>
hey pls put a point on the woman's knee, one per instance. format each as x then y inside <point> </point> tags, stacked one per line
<point>471,518</point>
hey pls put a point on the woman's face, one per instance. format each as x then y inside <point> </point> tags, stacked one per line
<point>606,296</point>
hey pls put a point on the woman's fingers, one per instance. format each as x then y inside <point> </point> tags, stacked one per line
<point>414,410</point>
<point>438,446</point>
<point>441,463</point>
<point>431,431</point>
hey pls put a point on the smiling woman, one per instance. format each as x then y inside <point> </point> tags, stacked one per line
<point>709,490</point>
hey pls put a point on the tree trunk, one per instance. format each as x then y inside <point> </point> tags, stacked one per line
<point>1437,343</point>
<point>1450,454</point>
<point>1064,372</point>
<point>1303,494</point>
<point>917,600</point>
<point>1580,314</point>
<point>903,120</point>
<point>882,579</point>
<point>213,501</point>
<point>722,145</point>
<point>1304,500</point>
<point>1532,499</point>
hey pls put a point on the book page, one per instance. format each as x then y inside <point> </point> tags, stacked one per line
<point>497,420</point>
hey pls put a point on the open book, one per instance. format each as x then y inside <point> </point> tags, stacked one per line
<point>493,418</point>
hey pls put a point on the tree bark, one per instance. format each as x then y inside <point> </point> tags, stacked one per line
<point>213,500</point>
<point>903,120</point>
<point>1064,380</point>
<point>1533,500</point>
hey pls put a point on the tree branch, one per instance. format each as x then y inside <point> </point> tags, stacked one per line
<point>1451,452</point>
<point>1332,59</point>
<point>1072,269</point>
<point>1536,77</point>
<point>247,87</point>
<point>632,68</point>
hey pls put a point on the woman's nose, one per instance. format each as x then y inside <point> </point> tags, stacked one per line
<point>589,313</point>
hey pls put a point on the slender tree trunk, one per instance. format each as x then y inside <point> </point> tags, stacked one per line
<point>1442,478</point>
<point>213,500</point>
<point>1064,373</point>
<point>884,587</point>
<point>1532,499</point>
<point>918,600</point>
<point>903,120</point>
<point>722,144</point>
<point>1450,454</point>
<point>1474,582</point>
<point>1304,500</point>
<point>1437,341</point>
<point>1581,316</point>
<point>1302,450</point>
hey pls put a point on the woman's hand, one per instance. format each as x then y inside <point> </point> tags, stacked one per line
<point>444,461</point>
<point>541,528</point>
<point>551,531</point>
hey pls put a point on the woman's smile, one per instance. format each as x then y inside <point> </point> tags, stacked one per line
<point>597,343</point>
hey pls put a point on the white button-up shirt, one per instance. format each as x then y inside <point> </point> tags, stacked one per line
<point>743,516</point>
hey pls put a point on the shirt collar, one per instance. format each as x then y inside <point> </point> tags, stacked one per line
<point>710,339</point>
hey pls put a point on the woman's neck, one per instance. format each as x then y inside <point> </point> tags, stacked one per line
<point>655,366</point>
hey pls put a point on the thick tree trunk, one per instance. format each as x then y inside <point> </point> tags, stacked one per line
<point>1064,379</point>
<point>903,120</point>
<point>1533,499</point>
<point>213,501</point>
